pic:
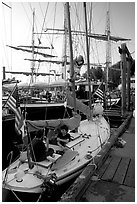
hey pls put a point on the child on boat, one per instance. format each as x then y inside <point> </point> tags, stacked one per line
<point>63,137</point>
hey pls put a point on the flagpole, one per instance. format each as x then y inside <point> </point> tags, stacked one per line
<point>25,134</point>
<point>28,150</point>
<point>10,95</point>
<point>25,141</point>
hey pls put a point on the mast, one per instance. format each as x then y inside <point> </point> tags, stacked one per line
<point>108,45</point>
<point>64,68</point>
<point>72,73</point>
<point>87,47</point>
<point>33,63</point>
<point>90,18</point>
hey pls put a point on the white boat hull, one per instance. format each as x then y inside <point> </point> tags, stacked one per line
<point>86,144</point>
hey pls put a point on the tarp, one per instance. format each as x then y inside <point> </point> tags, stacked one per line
<point>72,123</point>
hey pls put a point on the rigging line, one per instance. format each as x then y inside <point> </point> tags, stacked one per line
<point>79,26</point>
<point>54,24</point>
<point>30,6</point>
<point>34,21</point>
<point>6,5</point>
<point>91,40</point>
<point>53,33</point>
<point>29,20</point>
<point>77,21</point>
<point>41,34</point>
<point>6,55</point>
<point>15,194</point>
<point>100,19</point>
<point>95,43</point>
<point>77,17</point>
<point>27,16</point>
<point>44,24</point>
<point>112,28</point>
<point>39,24</point>
<point>41,9</point>
<point>44,19</point>
<point>11,37</point>
<point>80,39</point>
<point>26,13</point>
<point>48,37</point>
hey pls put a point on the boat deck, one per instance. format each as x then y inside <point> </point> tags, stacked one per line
<point>114,180</point>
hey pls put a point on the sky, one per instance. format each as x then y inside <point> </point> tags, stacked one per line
<point>17,30</point>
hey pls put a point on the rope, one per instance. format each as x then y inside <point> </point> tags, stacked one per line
<point>93,160</point>
<point>66,112</point>
<point>15,195</point>
<point>8,166</point>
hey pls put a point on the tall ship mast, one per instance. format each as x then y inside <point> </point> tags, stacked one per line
<point>33,43</point>
<point>108,45</point>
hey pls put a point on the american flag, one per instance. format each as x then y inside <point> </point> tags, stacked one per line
<point>100,91</point>
<point>14,103</point>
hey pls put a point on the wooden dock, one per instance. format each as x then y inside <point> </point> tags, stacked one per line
<point>114,178</point>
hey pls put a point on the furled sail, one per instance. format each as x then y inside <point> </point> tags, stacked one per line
<point>40,60</point>
<point>35,52</point>
<point>38,47</point>
<point>97,109</point>
<point>105,37</point>
<point>72,123</point>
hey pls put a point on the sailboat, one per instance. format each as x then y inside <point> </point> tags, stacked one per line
<point>28,175</point>
<point>56,169</point>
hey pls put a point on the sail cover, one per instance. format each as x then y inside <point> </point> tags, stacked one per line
<point>79,106</point>
<point>72,123</point>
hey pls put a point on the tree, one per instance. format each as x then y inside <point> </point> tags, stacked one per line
<point>95,73</point>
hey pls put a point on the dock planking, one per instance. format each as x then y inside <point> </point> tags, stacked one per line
<point>130,176</point>
<point>118,170</point>
<point>112,168</point>
<point>121,170</point>
<point>115,184</point>
<point>103,168</point>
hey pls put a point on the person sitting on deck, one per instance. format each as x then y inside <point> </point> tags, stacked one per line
<point>63,137</point>
<point>38,149</point>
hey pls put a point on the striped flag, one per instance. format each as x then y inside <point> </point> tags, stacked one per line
<point>14,103</point>
<point>100,91</point>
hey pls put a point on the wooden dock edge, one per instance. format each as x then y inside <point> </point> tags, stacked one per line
<point>79,186</point>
